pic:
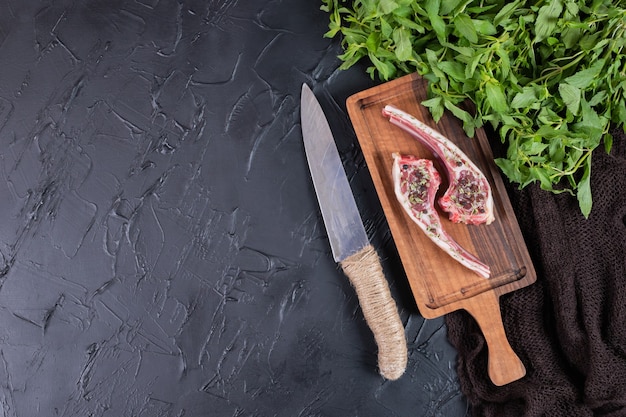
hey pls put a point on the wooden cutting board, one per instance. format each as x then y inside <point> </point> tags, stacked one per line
<point>439,283</point>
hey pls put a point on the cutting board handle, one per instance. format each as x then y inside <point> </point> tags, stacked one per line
<point>504,366</point>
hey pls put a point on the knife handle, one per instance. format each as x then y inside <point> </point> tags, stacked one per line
<point>381,314</point>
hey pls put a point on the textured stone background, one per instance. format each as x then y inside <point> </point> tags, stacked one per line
<point>161,248</point>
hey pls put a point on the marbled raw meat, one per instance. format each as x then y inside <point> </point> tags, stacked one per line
<point>416,182</point>
<point>468,198</point>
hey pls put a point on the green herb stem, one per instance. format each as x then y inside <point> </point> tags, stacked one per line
<point>559,70</point>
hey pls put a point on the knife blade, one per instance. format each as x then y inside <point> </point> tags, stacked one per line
<point>349,243</point>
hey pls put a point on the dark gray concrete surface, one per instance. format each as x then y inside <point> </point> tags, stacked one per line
<point>161,248</point>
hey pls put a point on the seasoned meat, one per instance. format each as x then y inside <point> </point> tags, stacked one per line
<point>416,182</point>
<point>468,198</point>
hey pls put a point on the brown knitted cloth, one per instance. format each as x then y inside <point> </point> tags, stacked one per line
<point>569,328</point>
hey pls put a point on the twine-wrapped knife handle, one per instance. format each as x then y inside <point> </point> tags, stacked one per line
<point>381,314</point>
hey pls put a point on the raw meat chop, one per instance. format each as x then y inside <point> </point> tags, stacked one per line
<point>416,182</point>
<point>468,198</point>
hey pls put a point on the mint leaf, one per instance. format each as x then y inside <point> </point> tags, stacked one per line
<point>453,69</point>
<point>386,69</point>
<point>505,12</point>
<point>570,96</point>
<point>583,193</point>
<point>435,105</point>
<point>496,97</point>
<point>464,25</point>
<point>584,78</point>
<point>402,40</point>
<point>526,98</point>
<point>373,42</point>
<point>436,21</point>
<point>447,6</point>
<point>388,6</point>
<point>547,19</point>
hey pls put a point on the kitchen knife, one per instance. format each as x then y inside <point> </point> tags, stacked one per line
<point>348,240</point>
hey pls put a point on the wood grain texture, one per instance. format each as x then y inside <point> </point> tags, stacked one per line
<point>440,284</point>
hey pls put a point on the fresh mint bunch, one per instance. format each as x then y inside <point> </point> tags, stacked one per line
<point>548,75</point>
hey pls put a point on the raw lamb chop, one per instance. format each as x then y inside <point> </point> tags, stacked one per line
<point>415,183</point>
<point>468,198</point>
